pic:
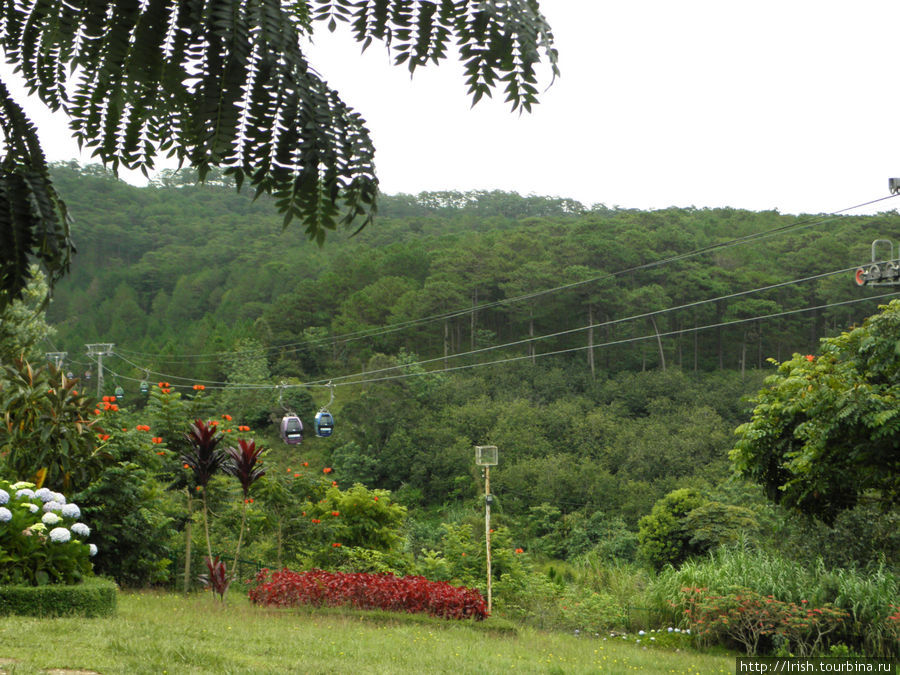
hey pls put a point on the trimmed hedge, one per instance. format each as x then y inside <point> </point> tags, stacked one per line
<point>93,597</point>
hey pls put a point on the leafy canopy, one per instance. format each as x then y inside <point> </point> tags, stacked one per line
<point>226,84</point>
<point>824,433</point>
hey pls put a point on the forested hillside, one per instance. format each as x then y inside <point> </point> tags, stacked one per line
<point>180,269</point>
<point>607,352</point>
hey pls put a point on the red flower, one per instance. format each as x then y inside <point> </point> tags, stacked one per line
<point>376,498</point>
<point>520,550</point>
<point>305,463</point>
<point>810,357</point>
<point>336,545</point>
<point>187,466</point>
<point>226,417</point>
<point>327,469</point>
<point>161,452</point>
<point>334,483</point>
<point>96,411</point>
<point>296,475</point>
<point>335,513</point>
<point>199,387</point>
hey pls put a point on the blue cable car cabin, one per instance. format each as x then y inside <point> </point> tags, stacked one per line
<point>324,424</point>
<point>291,429</point>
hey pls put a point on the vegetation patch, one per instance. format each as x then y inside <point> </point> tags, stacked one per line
<point>368,591</point>
<point>91,598</point>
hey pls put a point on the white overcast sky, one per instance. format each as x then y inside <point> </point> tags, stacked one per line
<point>784,104</point>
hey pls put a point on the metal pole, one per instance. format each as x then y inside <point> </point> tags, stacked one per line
<point>487,530</point>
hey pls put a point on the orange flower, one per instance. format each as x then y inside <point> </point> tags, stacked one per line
<point>519,550</point>
<point>335,513</point>
<point>336,545</point>
<point>199,387</point>
<point>96,411</point>
<point>74,392</point>
<point>186,465</point>
<point>114,408</point>
<point>296,475</point>
<point>327,469</point>
<point>305,463</point>
<point>226,417</point>
<point>334,483</point>
<point>376,498</point>
<point>161,453</point>
<point>289,469</point>
<point>810,357</point>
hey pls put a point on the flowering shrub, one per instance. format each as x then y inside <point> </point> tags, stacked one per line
<point>367,591</point>
<point>41,541</point>
<point>747,617</point>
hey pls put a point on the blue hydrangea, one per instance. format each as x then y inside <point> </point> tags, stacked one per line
<point>53,506</point>
<point>59,497</point>
<point>50,518</point>
<point>34,508</point>
<point>44,495</point>
<point>25,493</point>
<point>5,514</point>
<point>81,530</point>
<point>60,535</point>
<point>93,549</point>
<point>4,497</point>
<point>71,511</point>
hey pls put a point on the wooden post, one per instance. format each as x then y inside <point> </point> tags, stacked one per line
<point>487,530</point>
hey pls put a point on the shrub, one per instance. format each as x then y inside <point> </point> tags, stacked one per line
<point>41,538</point>
<point>94,597</point>
<point>367,591</point>
<point>864,596</point>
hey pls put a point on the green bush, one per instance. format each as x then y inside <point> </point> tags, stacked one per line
<point>94,597</point>
<point>865,596</point>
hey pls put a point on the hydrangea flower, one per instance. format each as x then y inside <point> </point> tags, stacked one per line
<point>81,530</point>
<point>53,506</point>
<point>44,495</point>
<point>71,511</point>
<point>34,508</point>
<point>59,497</point>
<point>25,493</point>
<point>50,518</point>
<point>4,497</point>
<point>22,484</point>
<point>5,514</point>
<point>93,549</point>
<point>60,535</point>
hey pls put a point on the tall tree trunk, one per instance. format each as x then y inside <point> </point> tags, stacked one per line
<point>187,544</point>
<point>743,353</point>
<point>662,355</point>
<point>696,347</point>
<point>446,342</point>
<point>531,338</point>
<point>591,340</point>
<point>472,323</point>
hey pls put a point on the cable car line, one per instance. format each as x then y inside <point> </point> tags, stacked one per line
<point>362,334</point>
<point>343,380</point>
<point>652,336</point>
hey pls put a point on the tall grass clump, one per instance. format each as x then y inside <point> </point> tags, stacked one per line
<point>866,595</point>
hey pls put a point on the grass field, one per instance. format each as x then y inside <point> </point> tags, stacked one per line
<point>171,634</point>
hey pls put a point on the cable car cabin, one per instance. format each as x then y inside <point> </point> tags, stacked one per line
<point>324,424</point>
<point>120,393</point>
<point>291,429</point>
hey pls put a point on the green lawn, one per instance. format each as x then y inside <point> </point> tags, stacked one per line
<point>171,633</point>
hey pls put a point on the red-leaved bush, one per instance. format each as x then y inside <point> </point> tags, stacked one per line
<point>367,591</point>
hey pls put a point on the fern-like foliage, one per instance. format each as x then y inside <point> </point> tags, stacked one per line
<point>225,83</point>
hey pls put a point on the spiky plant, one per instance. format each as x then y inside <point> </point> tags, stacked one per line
<point>204,459</point>
<point>244,464</point>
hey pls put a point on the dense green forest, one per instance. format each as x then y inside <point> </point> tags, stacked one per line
<point>607,352</point>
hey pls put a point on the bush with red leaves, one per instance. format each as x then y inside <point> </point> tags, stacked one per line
<point>367,591</point>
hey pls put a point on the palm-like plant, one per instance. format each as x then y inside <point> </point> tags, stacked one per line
<point>243,464</point>
<point>226,84</point>
<point>204,459</point>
